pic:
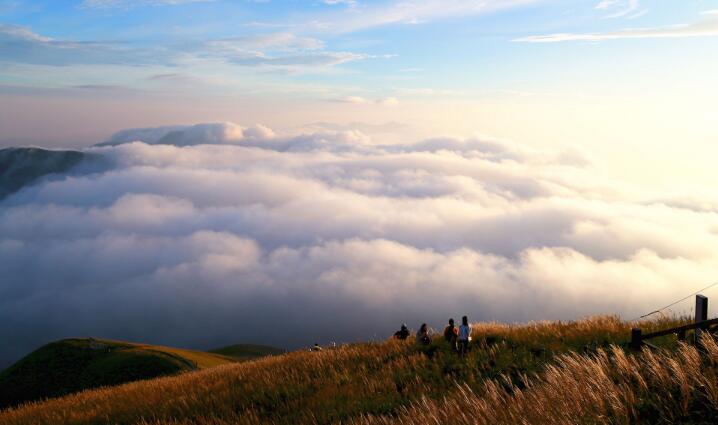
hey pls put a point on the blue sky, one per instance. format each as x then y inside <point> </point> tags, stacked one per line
<point>287,63</point>
<point>370,43</point>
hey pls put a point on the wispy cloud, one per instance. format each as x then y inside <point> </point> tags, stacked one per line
<point>336,2</point>
<point>20,45</point>
<point>126,4</point>
<point>409,12</point>
<point>102,87</point>
<point>358,100</point>
<point>620,8</point>
<point>278,51</point>
<point>705,28</point>
<point>280,41</point>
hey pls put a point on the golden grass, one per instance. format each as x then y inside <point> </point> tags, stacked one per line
<point>396,383</point>
<point>200,359</point>
<point>609,387</point>
<point>590,331</point>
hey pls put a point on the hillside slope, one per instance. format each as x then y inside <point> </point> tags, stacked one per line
<point>72,365</point>
<point>564,373</point>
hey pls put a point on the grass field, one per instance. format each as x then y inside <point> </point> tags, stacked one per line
<point>72,365</point>
<point>558,372</point>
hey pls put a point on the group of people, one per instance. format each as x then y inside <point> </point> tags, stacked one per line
<point>457,337</point>
<point>317,347</point>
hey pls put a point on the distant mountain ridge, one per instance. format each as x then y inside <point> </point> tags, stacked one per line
<point>20,167</point>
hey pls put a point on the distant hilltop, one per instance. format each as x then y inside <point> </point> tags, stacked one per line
<point>77,364</point>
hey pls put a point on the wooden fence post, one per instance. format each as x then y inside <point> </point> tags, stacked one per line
<point>701,314</point>
<point>636,339</point>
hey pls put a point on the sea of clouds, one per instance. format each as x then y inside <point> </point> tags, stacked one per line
<point>214,234</point>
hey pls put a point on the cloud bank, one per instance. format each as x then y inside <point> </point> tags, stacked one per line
<point>217,233</point>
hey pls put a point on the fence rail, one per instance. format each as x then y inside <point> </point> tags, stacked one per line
<point>638,339</point>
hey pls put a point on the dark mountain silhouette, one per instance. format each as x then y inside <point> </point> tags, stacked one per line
<point>20,167</point>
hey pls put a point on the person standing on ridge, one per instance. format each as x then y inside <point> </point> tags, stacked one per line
<point>451,333</point>
<point>464,336</point>
<point>422,337</point>
<point>402,333</point>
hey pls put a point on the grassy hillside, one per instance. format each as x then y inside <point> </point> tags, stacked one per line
<point>566,373</point>
<point>247,351</point>
<point>73,365</point>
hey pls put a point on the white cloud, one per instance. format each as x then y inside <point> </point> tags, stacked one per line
<point>619,8</point>
<point>705,28</point>
<point>216,233</point>
<point>199,134</point>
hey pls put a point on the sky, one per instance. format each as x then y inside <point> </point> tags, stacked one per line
<point>286,172</point>
<point>625,79</point>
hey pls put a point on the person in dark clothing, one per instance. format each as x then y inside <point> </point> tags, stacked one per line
<point>402,333</point>
<point>451,334</point>
<point>422,337</point>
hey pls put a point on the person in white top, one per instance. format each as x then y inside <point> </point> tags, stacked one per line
<point>464,336</point>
